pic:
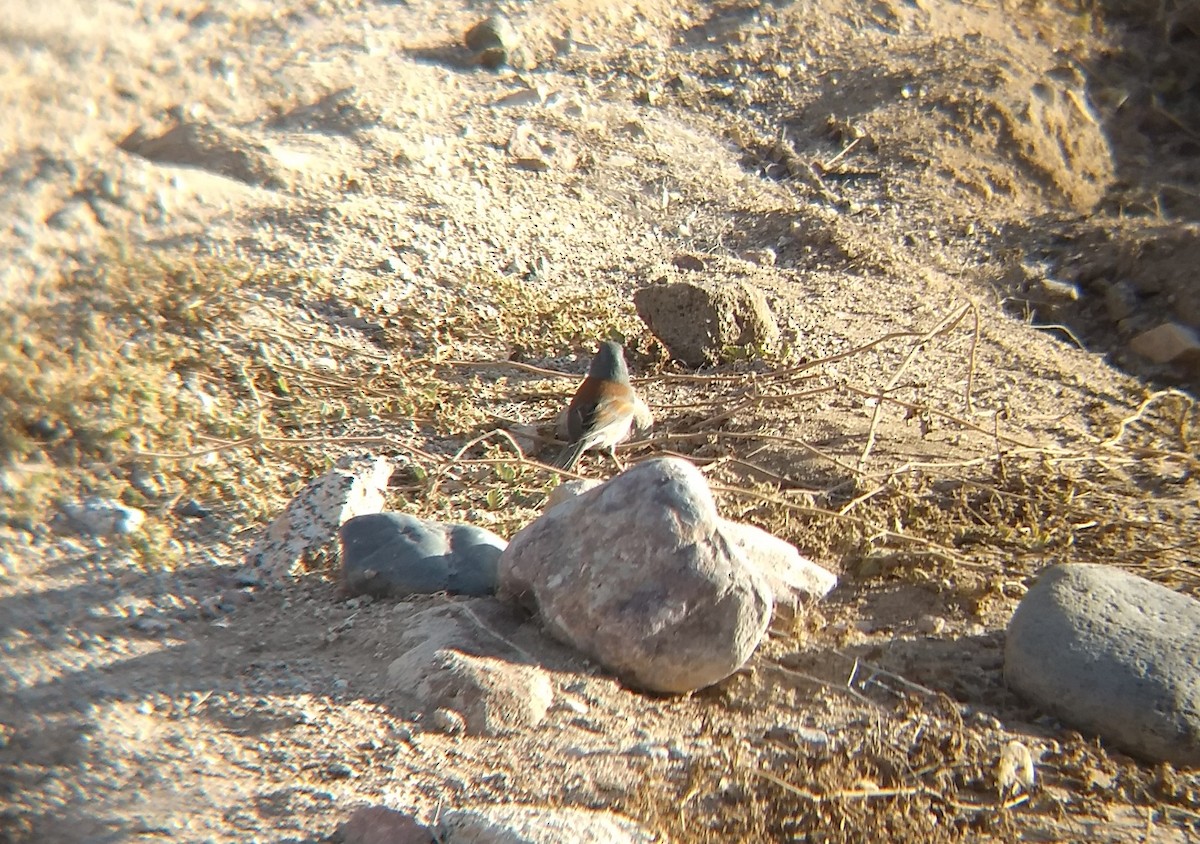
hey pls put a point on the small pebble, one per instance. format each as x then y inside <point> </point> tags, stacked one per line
<point>573,704</point>
<point>447,721</point>
<point>149,624</point>
<point>931,625</point>
<point>650,750</point>
<point>809,739</point>
<point>339,770</point>
<point>492,41</point>
<point>104,517</point>
<point>192,509</point>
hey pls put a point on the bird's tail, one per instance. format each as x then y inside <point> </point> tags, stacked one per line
<point>570,455</point>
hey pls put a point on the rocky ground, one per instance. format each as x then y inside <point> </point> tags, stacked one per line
<point>247,238</point>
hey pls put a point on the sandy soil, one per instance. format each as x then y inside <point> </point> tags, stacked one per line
<point>899,178</point>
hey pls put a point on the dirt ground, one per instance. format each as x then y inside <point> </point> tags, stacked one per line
<point>247,237</point>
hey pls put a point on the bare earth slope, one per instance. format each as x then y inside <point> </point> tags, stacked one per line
<point>246,237</point>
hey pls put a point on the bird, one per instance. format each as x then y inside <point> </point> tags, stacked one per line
<point>604,409</point>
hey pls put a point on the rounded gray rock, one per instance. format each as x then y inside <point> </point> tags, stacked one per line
<point>510,824</point>
<point>378,824</point>
<point>1111,654</point>
<point>794,579</point>
<point>639,575</point>
<point>354,486</point>
<point>395,554</point>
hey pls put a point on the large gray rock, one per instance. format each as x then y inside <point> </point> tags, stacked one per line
<point>638,575</point>
<point>794,579</point>
<point>1112,654</point>
<point>396,555</point>
<point>508,824</point>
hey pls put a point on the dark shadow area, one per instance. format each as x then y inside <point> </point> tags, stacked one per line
<point>1132,262</point>
<point>1147,90</point>
<point>247,660</point>
<point>1125,288</point>
<point>452,55</point>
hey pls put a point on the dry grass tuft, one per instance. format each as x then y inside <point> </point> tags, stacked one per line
<point>152,378</point>
<point>178,370</point>
<point>149,379</point>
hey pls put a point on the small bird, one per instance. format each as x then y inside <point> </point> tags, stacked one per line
<point>604,408</point>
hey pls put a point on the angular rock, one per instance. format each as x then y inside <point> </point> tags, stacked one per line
<point>1015,770</point>
<point>699,320</point>
<point>764,257</point>
<point>811,740</point>
<point>793,578</point>
<point>395,555</point>
<point>688,262</point>
<point>309,523</point>
<point>1036,281</point>
<point>103,517</point>
<point>462,624</point>
<point>638,575</point>
<point>345,111</point>
<point>492,41</point>
<point>381,825</point>
<point>1120,300</point>
<point>1056,292</point>
<point>509,824</point>
<point>1166,343</point>
<point>493,697</point>
<point>540,152</point>
<point>1111,654</point>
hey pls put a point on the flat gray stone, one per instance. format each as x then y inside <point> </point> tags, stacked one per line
<point>220,149</point>
<point>794,579</point>
<point>396,555</point>
<point>639,575</point>
<point>1111,654</point>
